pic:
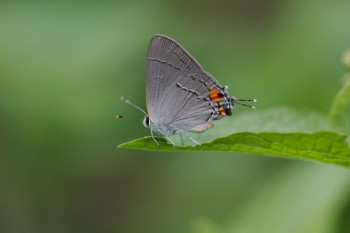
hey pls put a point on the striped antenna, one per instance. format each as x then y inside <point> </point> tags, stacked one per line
<point>238,101</point>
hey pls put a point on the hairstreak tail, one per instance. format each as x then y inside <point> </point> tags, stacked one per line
<point>180,96</point>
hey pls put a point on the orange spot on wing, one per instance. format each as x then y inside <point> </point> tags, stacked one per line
<point>222,111</point>
<point>214,95</point>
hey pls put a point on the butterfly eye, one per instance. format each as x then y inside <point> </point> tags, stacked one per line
<point>146,121</point>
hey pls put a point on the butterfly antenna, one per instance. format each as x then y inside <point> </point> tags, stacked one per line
<point>122,98</point>
<point>127,116</point>
<point>238,101</point>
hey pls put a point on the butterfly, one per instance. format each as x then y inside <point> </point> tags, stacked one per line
<point>180,95</point>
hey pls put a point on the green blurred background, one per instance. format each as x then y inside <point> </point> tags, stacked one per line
<point>63,67</point>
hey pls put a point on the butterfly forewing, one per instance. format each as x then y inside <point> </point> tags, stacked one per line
<point>167,61</point>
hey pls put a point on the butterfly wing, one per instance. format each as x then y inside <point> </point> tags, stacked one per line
<point>187,105</point>
<point>166,62</point>
<point>179,91</point>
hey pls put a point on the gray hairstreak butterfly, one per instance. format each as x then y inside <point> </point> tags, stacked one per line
<point>180,96</point>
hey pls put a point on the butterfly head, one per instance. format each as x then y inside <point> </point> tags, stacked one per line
<point>146,121</point>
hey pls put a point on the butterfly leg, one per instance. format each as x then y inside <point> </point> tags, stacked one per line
<point>153,137</point>
<point>194,141</point>
<point>169,141</point>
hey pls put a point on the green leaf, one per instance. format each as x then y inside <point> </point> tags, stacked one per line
<point>327,147</point>
<point>281,132</point>
<point>279,119</point>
